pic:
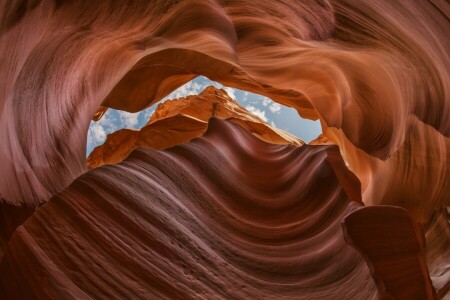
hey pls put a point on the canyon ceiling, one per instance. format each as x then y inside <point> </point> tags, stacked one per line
<point>208,201</point>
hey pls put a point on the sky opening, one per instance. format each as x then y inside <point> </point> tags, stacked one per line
<point>277,115</point>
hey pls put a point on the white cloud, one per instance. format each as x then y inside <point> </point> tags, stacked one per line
<point>196,87</point>
<point>257,112</point>
<point>245,96</point>
<point>213,83</point>
<point>230,92</point>
<point>190,88</point>
<point>129,120</point>
<point>147,113</point>
<point>96,134</point>
<point>273,124</point>
<point>109,121</point>
<point>275,107</point>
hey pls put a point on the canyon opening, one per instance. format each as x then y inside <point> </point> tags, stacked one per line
<point>212,149</point>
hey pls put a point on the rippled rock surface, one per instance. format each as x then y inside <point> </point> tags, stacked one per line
<point>375,73</point>
<point>225,216</point>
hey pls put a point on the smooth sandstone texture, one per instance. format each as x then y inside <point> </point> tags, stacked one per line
<point>375,73</point>
<point>373,70</point>
<point>394,246</point>
<point>178,121</point>
<point>226,216</point>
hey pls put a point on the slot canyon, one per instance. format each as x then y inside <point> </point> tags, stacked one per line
<point>201,196</point>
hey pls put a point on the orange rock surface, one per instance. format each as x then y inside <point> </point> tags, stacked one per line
<point>210,219</point>
<point>178,121</point>
<point>376,75</point>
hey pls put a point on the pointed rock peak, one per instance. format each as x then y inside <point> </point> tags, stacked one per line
<point>212,90</point>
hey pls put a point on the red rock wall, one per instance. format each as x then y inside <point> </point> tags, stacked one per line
<point>376,74</point>
<point>225,216</point>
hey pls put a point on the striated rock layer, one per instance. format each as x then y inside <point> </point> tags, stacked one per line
<point>394,246</point>
<point>375,73</point>
<point>178,121</point>
<point>225,216</point>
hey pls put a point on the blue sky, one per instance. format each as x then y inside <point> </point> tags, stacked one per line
<point>275,114</point>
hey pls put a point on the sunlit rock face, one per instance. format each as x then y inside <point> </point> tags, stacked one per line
<point>178,121</point>
<point>252,219</point>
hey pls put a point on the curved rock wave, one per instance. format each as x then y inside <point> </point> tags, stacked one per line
<point>363,67</point>
<point>376,74</point>
<point>224,216</point>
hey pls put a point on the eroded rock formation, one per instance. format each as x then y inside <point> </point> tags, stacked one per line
<point>375,73</point>
<point>224,216</point>
<point>178,121</point>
